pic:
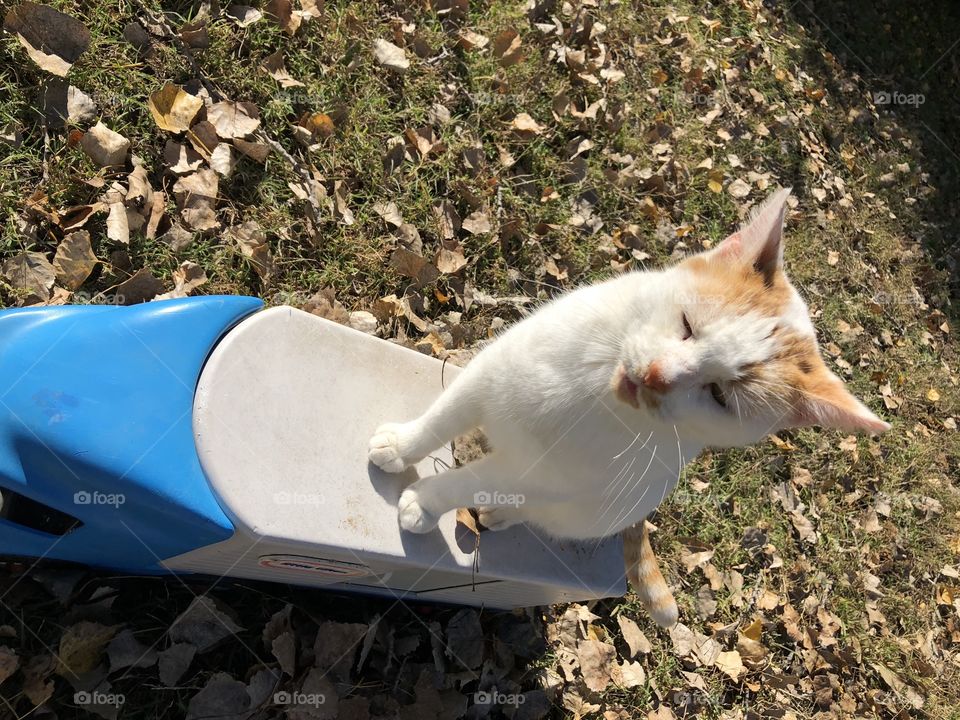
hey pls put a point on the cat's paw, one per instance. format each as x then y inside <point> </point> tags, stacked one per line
<point>413,516</point>
<point>389,448</point>
<point>497,518</point>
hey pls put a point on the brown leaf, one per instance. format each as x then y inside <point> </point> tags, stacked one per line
<point>506,47</point>
<point>276,68</point>
<point>9,662</point>
<point>414,266</point>
<point>526,125</point>
<point>634,636</point>
<point>173,108</point>
<point>104,146</point>
<point>731,664</point>
<point>253,245</point>
<point>222,697</point>
<point>30,272</point>
<point>186,278</point>
<point>174,661</point>
<point>258,152</point>
<point>234,119</point>
<point>81,646</point>
<point>139,287</point>
<point>244,15</point>
<point>74,260</point>
<point>203,624</point>
<point>284,649</point>
<point>597,660</point>
<point>450,262</point>
<point>196,196</point>
<point>477,222</point>
<point>282,11</point>
<point>54,41</point>
<point>181,159</point>
<point>118,225</point>
<point>390,56</point>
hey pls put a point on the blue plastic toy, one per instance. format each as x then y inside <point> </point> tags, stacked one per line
<point>209,435</point>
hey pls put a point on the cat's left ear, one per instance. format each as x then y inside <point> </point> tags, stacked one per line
<point>760,241</point>
<point>827,403</point>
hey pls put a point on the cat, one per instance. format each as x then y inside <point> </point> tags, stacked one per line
<point>595,402</point>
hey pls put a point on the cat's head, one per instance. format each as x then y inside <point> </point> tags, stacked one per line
<point>730,351</point>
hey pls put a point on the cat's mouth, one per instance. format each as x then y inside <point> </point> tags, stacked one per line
<point>632,393</point>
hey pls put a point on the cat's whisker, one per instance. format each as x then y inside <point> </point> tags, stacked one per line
<point>624,515</point>
<point>632,444</point>
<point>617,478</point>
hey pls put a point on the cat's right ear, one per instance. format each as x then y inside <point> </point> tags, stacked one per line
<point>759,242</point>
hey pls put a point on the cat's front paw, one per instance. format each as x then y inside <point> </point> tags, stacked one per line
<point>498,518</point>
<point>413,516</point>
<point>389,448</point>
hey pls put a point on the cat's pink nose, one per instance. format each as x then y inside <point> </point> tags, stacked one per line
<point>654,380</point>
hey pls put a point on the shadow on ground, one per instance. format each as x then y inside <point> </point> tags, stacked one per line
<point>908,58</point>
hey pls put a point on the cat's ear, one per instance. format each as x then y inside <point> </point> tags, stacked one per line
<point>760,241</point>
<point>829,404</point>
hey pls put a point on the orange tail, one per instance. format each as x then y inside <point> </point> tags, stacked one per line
<point>644,575</point>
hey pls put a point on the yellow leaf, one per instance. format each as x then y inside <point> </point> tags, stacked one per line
<point>933,395</point>
<point>172,108</point>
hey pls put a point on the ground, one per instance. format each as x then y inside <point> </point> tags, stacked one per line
<point>489,156</point>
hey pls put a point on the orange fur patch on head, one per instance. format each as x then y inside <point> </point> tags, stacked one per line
<point>738,286</point>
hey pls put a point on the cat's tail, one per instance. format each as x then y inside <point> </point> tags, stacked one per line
<point>644,575</point>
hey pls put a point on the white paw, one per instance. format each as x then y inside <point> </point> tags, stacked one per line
<point>413,517</point>
<point>386,449</point>
<point>497,518</point>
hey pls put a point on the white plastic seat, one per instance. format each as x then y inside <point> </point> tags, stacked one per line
<point>282,415</point>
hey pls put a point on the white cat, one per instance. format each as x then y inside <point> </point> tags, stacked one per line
<point>595,402</point>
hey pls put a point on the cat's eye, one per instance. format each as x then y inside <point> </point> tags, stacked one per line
<point>687,330</point>
<point>717,394</point>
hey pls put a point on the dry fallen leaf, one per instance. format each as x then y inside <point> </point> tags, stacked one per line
<point>139,287</point>
<point>390,56</point>
<point>234,119</point>
<point>74,260</point>
<point>31,273</point>
<point>731,664</point>
<point>506,47</point>
<point>253,245</point>
<point>526,125</point>
<point>597,661</point>
<point>634,636</point>
<point>203,624</point>
<point>173,108</point>
<point>196,196</point>
<point>81,646</point>
<point>244,15</point>
<point>738,188</point>
<point>9,662</point>
<point>53,40</point>
<point>275,67</point>
<point>104,146</point>
<point>186,278</point>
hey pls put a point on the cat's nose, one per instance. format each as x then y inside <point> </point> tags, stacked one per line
<point>654,380</point>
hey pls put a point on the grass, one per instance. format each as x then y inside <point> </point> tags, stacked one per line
<point>807,75</point>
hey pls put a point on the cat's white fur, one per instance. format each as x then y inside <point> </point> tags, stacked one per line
<point>585,463</point>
